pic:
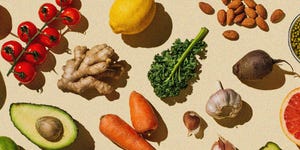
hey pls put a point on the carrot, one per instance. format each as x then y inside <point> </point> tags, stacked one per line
<point>143,117</point>
<point>119,132</point>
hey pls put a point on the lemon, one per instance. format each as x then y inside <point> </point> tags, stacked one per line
<point>131,16</point>
<point>7,144</point>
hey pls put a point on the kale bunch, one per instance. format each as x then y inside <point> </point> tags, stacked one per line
<point>173,68</point>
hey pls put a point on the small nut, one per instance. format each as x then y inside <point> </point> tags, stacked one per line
<point>239,10</point>
<point>250,12</point>
<point>231,35</point>
<point>277,16</point>
<point>239,18</point>
<point>230,16</point>
<point>261,11</point>
<point>49,128</point>
<point>234,4</point>
<point>261,23</point>
<point>225,2</point>
<point>248,22</point>
<point>206,8</point>
<point>191,121</point>
<point>221,16</point>
<point>250,3</point>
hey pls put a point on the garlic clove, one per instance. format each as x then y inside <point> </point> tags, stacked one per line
<point>192,122</point>
<point>223,144</point>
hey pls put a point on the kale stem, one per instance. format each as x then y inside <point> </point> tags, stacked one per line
<point>31,40</point>
<point>203,32</point>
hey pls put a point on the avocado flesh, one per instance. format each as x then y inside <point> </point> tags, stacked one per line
<point>25,115</point>
<point>270,146</point>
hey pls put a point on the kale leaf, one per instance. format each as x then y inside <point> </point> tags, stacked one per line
<point>173,68</point>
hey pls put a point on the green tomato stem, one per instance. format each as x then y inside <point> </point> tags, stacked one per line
<point>201,35</point>
<point>31,40</point>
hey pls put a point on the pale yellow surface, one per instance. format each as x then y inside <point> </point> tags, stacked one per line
<point>260,116</point>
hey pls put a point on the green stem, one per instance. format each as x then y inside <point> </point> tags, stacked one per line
<point>201,35</point>
<point>31,40</point>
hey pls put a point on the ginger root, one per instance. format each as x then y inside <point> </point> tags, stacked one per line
<point>90,69</point>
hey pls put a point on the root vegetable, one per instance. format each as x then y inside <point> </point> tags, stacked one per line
<point>119,132</point>
<point>143,117</point>
<point>89,69</point>
<point>255,65</point>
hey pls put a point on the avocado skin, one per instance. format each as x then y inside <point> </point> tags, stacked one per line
<point>7,143</point>
<point>271,146</point>
<point>40,145</point>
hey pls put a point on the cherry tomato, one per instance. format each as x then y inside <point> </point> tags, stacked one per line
<point>11,50</point>
<point>47,11</point>
<point>70,16</point>
<point>26,30</point>
<point>36,53</point>
<point>63,3</point>
<point>24,72</point>
<point>49,37</point>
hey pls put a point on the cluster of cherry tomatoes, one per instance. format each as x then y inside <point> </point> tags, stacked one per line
<point>38,41</point>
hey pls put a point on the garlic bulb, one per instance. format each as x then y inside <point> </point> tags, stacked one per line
<point>225,103</point>
<point>223,144</point>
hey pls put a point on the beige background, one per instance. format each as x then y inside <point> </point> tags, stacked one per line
<point>258,122</point>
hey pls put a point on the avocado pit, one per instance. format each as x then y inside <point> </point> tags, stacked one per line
<point>49,128</point>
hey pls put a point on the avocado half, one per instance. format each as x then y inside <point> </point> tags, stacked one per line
<point>25,115</point>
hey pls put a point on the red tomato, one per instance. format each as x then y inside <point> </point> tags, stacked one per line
<point>70,16</point>
<point>11,50</point>
<point>26,30</point>
<point>24,72</point>
<point>47,11</point>
<point>36,53</point>
<point>63,3</point>
<point>49,37</point>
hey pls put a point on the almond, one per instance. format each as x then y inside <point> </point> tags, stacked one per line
<point>206,8</point>
<point>261,11</point>
<point>261,23</point>
<point>248,22</point>
<point>250,3</point>
<point>231,35</point>
<point>234,4</point>
<point>250,12</point>
<point>225,2</point>
<point>221,16</point>
<point>230,17</point>
<point>239,18</point>
<point>239,10</point>
<point>277,16</point>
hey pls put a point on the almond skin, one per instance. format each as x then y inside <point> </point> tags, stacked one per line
<point>231,35</point>
<point>250,3</point>
<point>239,10</point>
<point>261,23</point>
<point>234,4</point>
<point>230,17</point>
<point>225,2</point>
<point>277,16</point>
<point>206,8</point>
<point>261,11</point>
<point>221,16</point>
<point>248,22</point>
<point>250,12</point>
<point>239,18</point>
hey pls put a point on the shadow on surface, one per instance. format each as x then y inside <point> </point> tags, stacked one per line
<point>38,83</point>
<point>84,140</point>
<point>62,47</point>
<point>203,126</point>
<point>161,133</point>
<point>49,64</point>
<point>244,116</point>
<point>157,33</point>
<point>81,27</point>
<point>6,22</point>
<point>3,93</point>
<point>274,80</point>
